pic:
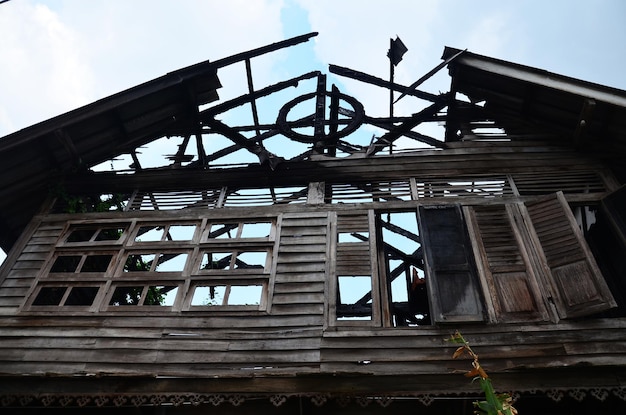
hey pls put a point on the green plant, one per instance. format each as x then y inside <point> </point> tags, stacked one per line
<point>494,403</point>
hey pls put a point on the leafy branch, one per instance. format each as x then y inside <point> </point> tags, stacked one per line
<point>494,403</point>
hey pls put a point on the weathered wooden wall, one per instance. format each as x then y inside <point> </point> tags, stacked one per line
<point>294,335</point>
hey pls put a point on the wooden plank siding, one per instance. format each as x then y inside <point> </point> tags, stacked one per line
<point>294,334</point>
<point>501,349</point>
<point>287,337</point>
<point>31,252</point>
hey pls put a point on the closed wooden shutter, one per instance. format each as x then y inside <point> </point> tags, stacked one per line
<point>508,277</point>
<point>568,268</point>
<point>451,279</point>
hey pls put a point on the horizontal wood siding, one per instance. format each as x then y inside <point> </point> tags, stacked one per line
<point>285,338</point>
<point>27,266</point>
<point>292,335</point>
<point>423,351</point>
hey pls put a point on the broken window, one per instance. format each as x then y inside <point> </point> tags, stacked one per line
<point>228,295</point>
<point>143,295</point>
<point>234,260</point>
<point>65,296</point>
<point>156,262</point>
<point>92,263</point>
<point>356,286</point>
<point>106,233</point>
<point>156,259</point>
<point>403,268</point>
<point>165,232</point>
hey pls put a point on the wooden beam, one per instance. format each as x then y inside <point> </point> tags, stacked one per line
<point>406,127</point>
<point>244,99</point>
<point>363,77</point>
<point>249,144</point>
<point>255,114</point>
<point>320,114</point>
<point>428,75</point>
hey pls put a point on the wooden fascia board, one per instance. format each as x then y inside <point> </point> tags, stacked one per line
<point>542,78</point>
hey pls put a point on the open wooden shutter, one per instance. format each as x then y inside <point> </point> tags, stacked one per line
<point>568,266</point>
<point>511,288</point>
<point>452,282</point>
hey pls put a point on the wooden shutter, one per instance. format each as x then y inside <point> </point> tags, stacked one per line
<point>452,282</point>
<point>567,265</point>
<point>511,288</point>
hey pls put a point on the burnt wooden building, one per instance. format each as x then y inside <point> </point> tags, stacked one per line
<point>313,259</point>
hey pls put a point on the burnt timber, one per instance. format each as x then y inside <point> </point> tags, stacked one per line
<point>318,270</point>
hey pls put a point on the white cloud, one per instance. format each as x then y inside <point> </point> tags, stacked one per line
<point>43,71</point>
<point>60,55</point>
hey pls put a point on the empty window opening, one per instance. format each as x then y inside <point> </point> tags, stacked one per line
<point>223,230</point>
<point>152,295</point>
<point>50,296</point>
<point>232,230</point>
<point>158,233</point>
<point>81,235</point>
<point>216,260</point>
<point>246,260</point>
<point>256,230</point>
<point>354,297</point>
<point>234,260</point>
<point>156,262</point>
<point>182,232</point>
<point>149,234</point>
<point>81,296</point>
<point>66,263</point>
<point>96,263</point>
<point>171,262</point>
<point>227,295</point>
<point>60,296</point>
<point>403,268</point>
<point>111,233</point>
<point>81,263</point>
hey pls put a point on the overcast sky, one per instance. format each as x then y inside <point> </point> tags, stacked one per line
<point>58,55</point>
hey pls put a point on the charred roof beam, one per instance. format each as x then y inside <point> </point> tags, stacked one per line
<point>210,113</point>
<point>249,144</point>
<point>406,127</point>
<point>369,79</point>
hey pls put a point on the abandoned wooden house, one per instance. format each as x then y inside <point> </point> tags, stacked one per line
<point>313,259</point>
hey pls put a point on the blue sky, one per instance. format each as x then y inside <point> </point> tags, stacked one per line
<point>58,55</point>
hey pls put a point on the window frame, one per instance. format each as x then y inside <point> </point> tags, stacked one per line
<point>185,279</point>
